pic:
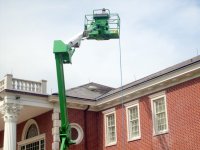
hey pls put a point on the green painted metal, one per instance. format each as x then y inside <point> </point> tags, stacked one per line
<point>63,53</point>
<point>101,25</point>
<point>64,49</point>
<point>65,129</point>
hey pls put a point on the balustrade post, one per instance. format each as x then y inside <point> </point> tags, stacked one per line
<point>8,81</point>
<point>44,86</point>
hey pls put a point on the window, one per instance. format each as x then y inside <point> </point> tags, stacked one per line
<point>133,121</point>
<point>31,137</point>
<point>76,133</point>
<point>110,128</point>
<point>38,144</point>
<point>32,131</point>
<point>159,112</point>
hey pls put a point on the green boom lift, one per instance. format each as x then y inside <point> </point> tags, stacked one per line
<point>101,25</point>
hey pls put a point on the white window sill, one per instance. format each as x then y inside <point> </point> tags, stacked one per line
<point>134,139</point>
<point>160,133</point>
<point>111,144</point>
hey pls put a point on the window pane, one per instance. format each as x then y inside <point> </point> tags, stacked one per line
<point>160,115</point>
<point>160,105</point>
<point>133,122</point>
<point>161,121</point>
<point>133,113</point>
<point>23,148</point>
<point>42,144</point>
<point>111,135</point>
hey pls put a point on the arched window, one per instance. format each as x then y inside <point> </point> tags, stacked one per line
<point>32,131</point>
<point>31,137</point>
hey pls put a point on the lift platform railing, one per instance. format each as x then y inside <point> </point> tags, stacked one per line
<point>102,25</point>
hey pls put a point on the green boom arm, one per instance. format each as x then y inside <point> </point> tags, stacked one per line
<point>63,54</point>
<point>101,25</point>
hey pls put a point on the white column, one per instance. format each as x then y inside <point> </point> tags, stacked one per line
<point>10,112</point>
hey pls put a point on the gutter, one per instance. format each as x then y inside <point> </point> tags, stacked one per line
<point>85,129</point>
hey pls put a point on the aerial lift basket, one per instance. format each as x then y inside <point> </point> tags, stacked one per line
<point>102,25</point>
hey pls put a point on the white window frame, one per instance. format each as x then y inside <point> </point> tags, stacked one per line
<point>129,106</point>
<point>79,129</point>
<point>107,113</point>
<point>154,98</point>
<point>31,140</point>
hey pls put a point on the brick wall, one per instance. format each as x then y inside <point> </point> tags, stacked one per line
<point>183,106</point>
<point>44,122</point>
<point>77,116</point>
<point>1,138</point>
<point>184,115</point>
<point>92,128</point>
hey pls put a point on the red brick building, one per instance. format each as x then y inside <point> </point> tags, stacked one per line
<point>158,112</point>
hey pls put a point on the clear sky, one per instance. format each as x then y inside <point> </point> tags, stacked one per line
<point>154,35</point>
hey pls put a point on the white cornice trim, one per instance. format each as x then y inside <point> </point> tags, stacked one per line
<point>142,93</point>
<point>152,83</point>
<point>132,93</point>
<point>26,100</point>
<point>157,95</point>
<point>54,98</point>
<point>108,111</point>
<point>131,103</point>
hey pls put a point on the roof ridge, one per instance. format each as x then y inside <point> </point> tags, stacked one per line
<point>154,75</point>
<point>78,86</point>
<point>89,84</point>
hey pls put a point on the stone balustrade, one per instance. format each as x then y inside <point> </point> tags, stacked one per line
<point>1,85</point>
<point>23,85</point>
